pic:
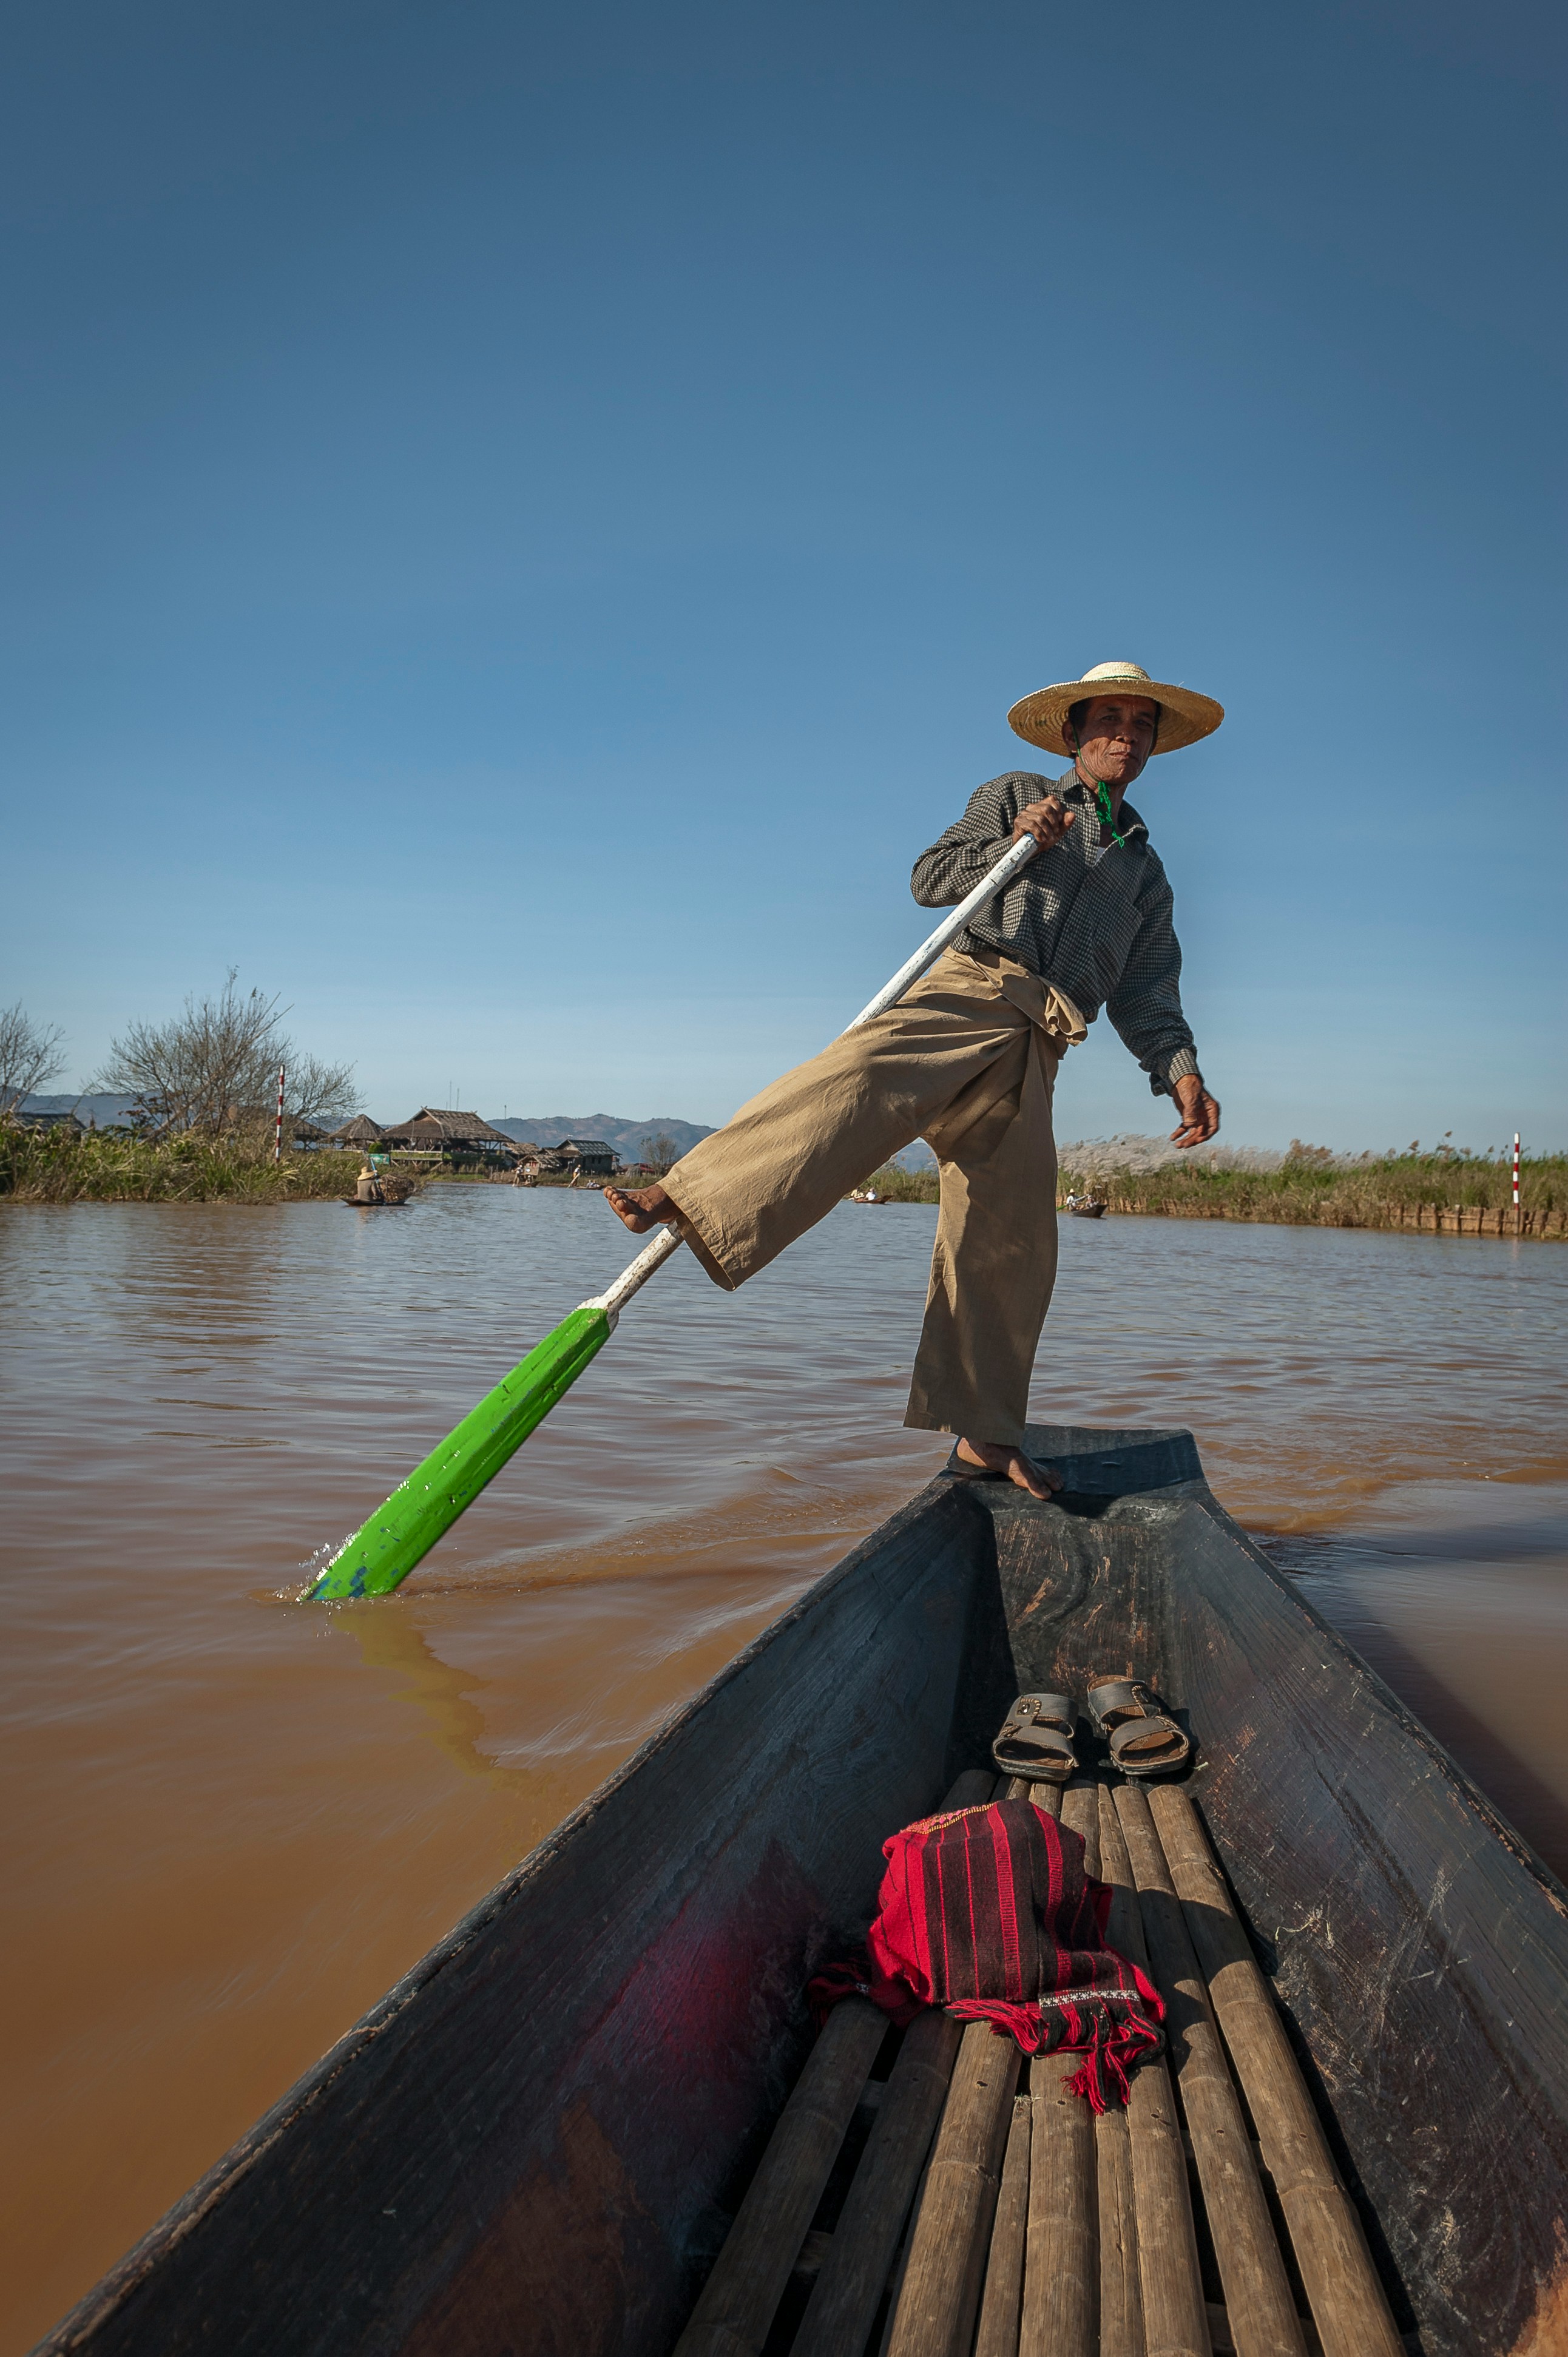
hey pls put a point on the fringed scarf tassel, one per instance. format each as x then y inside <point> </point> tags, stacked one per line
<point>1113,2035</point>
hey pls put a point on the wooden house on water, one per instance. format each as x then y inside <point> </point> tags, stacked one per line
<point>591,1156</point>
<point>541,1162</point>
<point>579,1157</point>
<point>459,1139</point>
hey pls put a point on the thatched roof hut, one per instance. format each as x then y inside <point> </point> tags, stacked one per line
<point>435,1129</point>
<point>361,1131</point>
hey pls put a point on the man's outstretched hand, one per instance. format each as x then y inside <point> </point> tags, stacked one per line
<point>1199,1114</point>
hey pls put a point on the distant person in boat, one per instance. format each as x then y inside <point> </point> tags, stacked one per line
<point>968,1060</point>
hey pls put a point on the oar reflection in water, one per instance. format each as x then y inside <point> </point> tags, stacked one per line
<point>391,1638</point>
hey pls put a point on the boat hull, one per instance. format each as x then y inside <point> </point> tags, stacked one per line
<point>536,2140</point>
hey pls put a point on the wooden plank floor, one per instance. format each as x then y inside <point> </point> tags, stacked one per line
<point>934,2193</point>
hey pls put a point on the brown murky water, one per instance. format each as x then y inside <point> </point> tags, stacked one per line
<point>232,1822</point>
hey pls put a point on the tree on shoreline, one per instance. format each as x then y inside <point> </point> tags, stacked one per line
<point>214,1067</point>
<point>29,1055</point>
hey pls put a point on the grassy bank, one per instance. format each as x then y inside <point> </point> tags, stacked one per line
<point>893,1184</point>
<point>1443,1192</point>
<point>1438,1192</point>
<point>108,1166</point>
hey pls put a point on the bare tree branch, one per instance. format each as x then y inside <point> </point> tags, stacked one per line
<point>215,1067</point>
<point>316,1092</point>
<point>29,1055</point>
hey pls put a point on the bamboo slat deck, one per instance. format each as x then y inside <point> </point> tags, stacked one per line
<point>1012,2222</point>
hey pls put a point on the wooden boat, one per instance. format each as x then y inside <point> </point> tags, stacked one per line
<point>536,2141</point>
<point>1088,1207</point>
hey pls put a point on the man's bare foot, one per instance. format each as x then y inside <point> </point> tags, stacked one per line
<point>640,1208</point>
<point>1000,1456</point>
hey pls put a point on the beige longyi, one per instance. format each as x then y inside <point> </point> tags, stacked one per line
<point>967,1061</point>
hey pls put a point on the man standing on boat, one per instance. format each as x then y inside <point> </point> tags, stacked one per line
<point>968,1060</point>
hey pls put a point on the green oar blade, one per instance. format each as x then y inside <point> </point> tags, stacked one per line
<point>402,1532</point>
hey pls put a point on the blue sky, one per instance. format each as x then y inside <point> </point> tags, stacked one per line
<point>519,523</point>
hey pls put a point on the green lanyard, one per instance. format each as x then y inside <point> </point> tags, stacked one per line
<point>1106,815</point>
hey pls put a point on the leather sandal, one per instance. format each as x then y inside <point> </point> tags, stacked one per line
<point>1144,1741</point>
<point>1035,1739</point>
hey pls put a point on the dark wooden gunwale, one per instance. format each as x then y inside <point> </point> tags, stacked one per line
<point>534,2140</point>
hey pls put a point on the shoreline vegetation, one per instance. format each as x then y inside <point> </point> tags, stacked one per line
<point>112,1166</point>
<point>1449,1194</point>
<point>1443,1194</point>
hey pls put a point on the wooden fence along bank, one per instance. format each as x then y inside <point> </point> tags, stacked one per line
<point>1436,1219</point>
<point>1455,1195</point>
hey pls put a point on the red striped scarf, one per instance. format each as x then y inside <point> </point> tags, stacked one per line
<point>988,1911</point>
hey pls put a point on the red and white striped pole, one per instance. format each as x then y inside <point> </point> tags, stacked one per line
<point>1516,1178</point>
<point>277,1135</point>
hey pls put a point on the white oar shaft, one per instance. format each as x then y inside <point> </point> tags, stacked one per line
<point>953,923</point>
<point>636,1274</point>
<point>654,1255</point>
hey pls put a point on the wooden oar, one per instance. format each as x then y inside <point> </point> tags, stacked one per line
<point>403,1530</point>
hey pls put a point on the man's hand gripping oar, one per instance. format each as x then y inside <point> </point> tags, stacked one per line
<point>400,1532</point>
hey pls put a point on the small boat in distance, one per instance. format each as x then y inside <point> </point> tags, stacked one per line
<point>377,1190</point>
<point>1084,1207</point>
<point>537,2140</point>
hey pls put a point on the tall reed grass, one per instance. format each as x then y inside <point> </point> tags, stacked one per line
<point>1334,1195</point>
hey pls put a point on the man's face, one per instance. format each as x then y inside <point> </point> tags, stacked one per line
<point>1118,737</point>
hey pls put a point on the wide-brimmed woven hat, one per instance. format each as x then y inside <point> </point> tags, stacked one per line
<point>1184,717</point>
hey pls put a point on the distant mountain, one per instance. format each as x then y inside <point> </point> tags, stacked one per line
<point>534,1129</point>
<point>626,1136</point>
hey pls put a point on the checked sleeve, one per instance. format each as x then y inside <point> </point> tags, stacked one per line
<point>1146,1006</point>
<point>960,858</point>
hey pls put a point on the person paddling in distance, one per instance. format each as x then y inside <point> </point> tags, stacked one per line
<point>968,1060</point>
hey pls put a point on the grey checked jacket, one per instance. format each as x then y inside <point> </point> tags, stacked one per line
<point>1091,917</point>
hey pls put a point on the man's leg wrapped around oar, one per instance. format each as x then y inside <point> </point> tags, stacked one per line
<point>966,1057</point>
<point>967,1061</point>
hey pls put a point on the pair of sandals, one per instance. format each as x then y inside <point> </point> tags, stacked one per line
<point>1036,1737</point>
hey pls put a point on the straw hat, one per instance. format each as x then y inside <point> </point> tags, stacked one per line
<point>1184,717</point>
